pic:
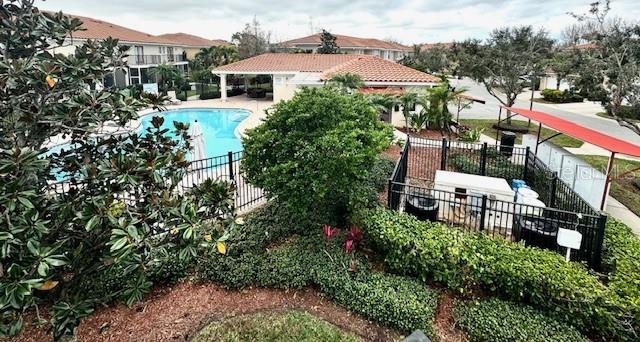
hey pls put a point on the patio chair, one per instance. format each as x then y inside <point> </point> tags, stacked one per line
<point>172,98</point>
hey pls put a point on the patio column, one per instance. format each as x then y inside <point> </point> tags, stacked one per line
<point>223,87</point>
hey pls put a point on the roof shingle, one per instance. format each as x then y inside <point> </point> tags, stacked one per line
<point>349,42</point>
<point>370,68</point>
<point>192,40</point>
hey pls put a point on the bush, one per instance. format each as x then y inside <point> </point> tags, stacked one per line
<point>465,261</point>
<point>182,96</point>
<point>210,95</point>
<point>560,96</point>
<point>626,112</point>
<point>380,173</point>
<point>315,151</point>
<point>621,258</point>
<point>396,301</point>
<point>497,320</point>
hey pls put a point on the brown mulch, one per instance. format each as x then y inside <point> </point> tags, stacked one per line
<point>177,313</point>
<point>425,134</point>
<point>444,323</point>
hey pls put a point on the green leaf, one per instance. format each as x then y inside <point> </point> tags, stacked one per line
<point>118,244</point>
<point>43,268</point>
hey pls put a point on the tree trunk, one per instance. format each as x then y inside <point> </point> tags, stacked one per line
<point>558,80</point>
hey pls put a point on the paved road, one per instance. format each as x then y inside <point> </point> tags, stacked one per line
<point>491,108</point>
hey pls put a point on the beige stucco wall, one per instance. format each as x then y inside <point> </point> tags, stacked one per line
<point>282,89</point>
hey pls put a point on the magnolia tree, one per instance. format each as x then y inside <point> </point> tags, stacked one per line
<point>116,203</point>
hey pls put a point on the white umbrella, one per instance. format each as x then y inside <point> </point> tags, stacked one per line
<point>198,151</point>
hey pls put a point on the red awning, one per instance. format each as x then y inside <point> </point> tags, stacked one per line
<point>577,131</point>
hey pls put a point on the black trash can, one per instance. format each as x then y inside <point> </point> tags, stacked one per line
<point>537,231</point>
<point>424,207</point>
<point>507,140</point>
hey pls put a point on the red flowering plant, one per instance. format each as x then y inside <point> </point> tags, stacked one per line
<point>351,243</point>
<point>329,232</point>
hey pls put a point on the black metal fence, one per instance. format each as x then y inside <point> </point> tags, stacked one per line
<point>224,168</point>
<point>411,189</point>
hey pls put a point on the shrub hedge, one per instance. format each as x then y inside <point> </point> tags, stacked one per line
<point>497,320</point>
<point>560,96</point>
<point>400,302</point>
<point>465,261</point>
<point>621,258</point>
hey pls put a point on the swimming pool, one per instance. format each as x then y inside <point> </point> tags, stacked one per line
<point>218,126</point>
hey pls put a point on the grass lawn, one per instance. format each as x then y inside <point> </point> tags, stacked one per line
<point>607,116</point>
<point>562,140</point>
<point>292,326</point>
<point>623,189</point>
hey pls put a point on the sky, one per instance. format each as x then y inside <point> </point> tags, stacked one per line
<point>405,21</point>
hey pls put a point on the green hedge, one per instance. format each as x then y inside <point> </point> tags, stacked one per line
<point>560,96</point>
<point>621,258</point>
<point>466,261</point>
<point>399,302</point>
<point>497,320</point>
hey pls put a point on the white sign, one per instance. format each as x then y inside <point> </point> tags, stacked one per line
<point>569,238</point>
<point>151,88</point>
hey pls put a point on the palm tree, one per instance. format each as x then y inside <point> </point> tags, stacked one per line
<point>347,82</point>
<point>438,105</point>
<point>383,103</point>
<point>214,56</point>
<point>165,75</point>
<point>408,101</point>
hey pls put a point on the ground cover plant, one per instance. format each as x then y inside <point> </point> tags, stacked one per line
<point>498,320</point>
<point>466,262</point>
<point>288,326</point>
<point>314,259</point>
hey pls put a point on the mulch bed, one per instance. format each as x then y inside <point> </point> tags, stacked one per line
<point>444,323</point>
<point>177,313</point>
<point>426,134</point>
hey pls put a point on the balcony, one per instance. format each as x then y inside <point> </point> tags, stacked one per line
<point>155,59</point>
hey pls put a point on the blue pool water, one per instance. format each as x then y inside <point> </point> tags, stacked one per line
<point>218,126</point>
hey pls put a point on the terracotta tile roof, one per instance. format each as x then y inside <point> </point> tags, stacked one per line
<point>284,62</point>
<point>349,42</point>
<point>370,68</point>
<point>98,29</point>
<point>186,39</point>
<point>374,69</point>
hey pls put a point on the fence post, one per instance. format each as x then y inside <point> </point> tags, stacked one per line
<point>483,212</point>
<point>389,193</point>
<point>553,188</point>
<point>596,257</point>
<point>526,164</point>
<point>443,155</point>
<point>483,161</point>
<point>230,158</point>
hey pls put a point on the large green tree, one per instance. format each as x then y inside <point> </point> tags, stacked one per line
<point>100,205</point>
<point>504,61</point>
<point>615,56</point>
<point>252,40</point>
<point>315,151</point>
<point>328,43</point>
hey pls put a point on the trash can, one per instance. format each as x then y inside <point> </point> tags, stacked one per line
<point>536,231</point>
<point>507,140</point>
<point>424,207</point>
